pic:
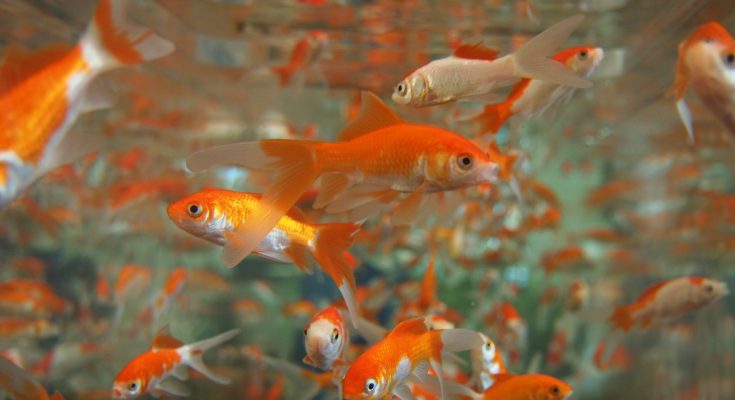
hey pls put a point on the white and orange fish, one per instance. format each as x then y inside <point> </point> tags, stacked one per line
<point>475,71</point>
<point>667,300</point>
<point>326,339</point>
<point>43,92</point>
<point>410,349</point>
<point>531,97</point>
<point>378,159</point>
<point>707,62</point>
<point>487,362</point>
<point>162,368</point>
<point>219,216</point>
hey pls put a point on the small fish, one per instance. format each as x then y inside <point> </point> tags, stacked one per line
<point>378,159</point>
<point>219,215</point>
<point>531,97</point>
<point>14,330</point>
<point>409,349</point>
<point>305,52</point>
<point>487,362</point>
<point>326,339</point>
<point>527,387</point>
<point>175,283</point>
<point>668,300</point>
<point>475,71</point>
<point>707,62</point>
<point>21,385</point>
<point>43,92</point>
<point>30,298</point>
<point>160,369</point>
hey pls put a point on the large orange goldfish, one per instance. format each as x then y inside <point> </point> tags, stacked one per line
<point>43,92</point>
<point>378,158</point>
<point>707,61</point>
<point>527,387</point>
<point>475,71</point>
<point>165,364</point>
<point>220,215</point>
<point>409,350</point>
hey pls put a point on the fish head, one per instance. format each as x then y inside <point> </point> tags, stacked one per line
<point>128,388</point>
<point>201,215</point>
<point>411,90</point>
<point>324,341</point>
<point>711,51</point>
<point>550,388</point>
<point>584,59</point>
<point>707,291</point>
<point>363,380</point>
<point>459,164</point>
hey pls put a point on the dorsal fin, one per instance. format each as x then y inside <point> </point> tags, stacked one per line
<point>374,115</point>
<point>476,51</point>
<point>650,293</point>
<point>412,327</point>
<point>164,340</point>
<point>18,64</point>
<point>297,214</point>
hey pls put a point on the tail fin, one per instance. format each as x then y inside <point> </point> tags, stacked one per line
<point>622,319</point>
<point>532,62</point>
<point>493,117</point>
<point>19,383</point>
<point>110,42</point>
<point>295,165</point>
<point>193,353</point>
<point>686,118</point>
<point>284,74</point>
<point>454,340</point>
<point>331,242</point>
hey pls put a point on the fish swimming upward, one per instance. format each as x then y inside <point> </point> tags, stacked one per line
<point>326,339</point>
<point>377,159</point>
<point>42,93</point>
<point>475,71</point>
<point>220,215</point>
<point>707,62</point>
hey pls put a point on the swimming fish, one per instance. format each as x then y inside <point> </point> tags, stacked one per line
<point>378,159</point>
<point>707,62</point>
<point>408,350</point>
<point>160,369</point>
<point>220,215</point>
<point>42,93</point>
<point>306,51</point>
<point>326,339</point>
<point>667,300</point>
<point>21,385</point>
<point>532,96</point>
<point>487,362</point>
<point>527,387</point>
<point>475,71</point>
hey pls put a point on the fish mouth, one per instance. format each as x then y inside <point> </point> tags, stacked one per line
<point>490,173</point>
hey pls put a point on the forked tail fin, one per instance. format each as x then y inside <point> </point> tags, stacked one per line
<point>193,353</point>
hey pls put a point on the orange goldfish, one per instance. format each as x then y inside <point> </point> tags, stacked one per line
<point>326,339</point>
<point>531,97</point>
<point>667,300</point>
<point>132,280</point>
<point>305,52</point>
<point>174,285</point>
<point>17,329</point>
<point>168,358</point>
<point>219,215</point>
<point>475,71</point>
<point>24,297</point>
<point>43,92</point>
<point>410,349</point>
<point>707,61</point>
<point>21,385</point>
<point>527,387</point>
<point>378,158</point>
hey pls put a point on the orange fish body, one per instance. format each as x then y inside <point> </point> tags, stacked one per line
<point>132,280</point>
<point>707,63</point>
<point>531,97</point>
<point>43,92</point>
<point>160,369</point>
<point>174,285</point>
<point>667,300</point>
<point>218,215</point>
<point>326,339</point>
<point>528,387</point>
<point>410,349</point>
<point>25,297</point>
<point>378,159</point>
<point>305,52</point>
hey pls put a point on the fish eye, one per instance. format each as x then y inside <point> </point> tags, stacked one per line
<point>729,60</point>
<point>306,331</point>
<point>335,335</point>
<point>134,387</point>
<point>464,161</point>
<point>370,386</point>
<point>555,390</point>
<point>402,88</point>
<point>194,210</point>
<point>488,345</point>
<point>708,288</point>
<point>583,54</point>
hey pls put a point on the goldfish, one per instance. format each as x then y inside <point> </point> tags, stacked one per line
<point>667,300</point>
<point>487,362</point>
<point>132,280</point>
<point>474,70</point>
<point>326,339</point>
<point>175,283</point>
<point>306,51</point>
<point>16,329</point>
<point>409,349</point>
<point>43,92</point>
<point>527,387</point>
<point>160,369</point>
<point>378,158</point>
<point>21,385</point>
<point>707,62</point>
<point>531,97</point>
<point>25,297</point>
<point>219,215</point>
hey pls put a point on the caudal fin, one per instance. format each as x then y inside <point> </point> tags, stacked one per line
<point>295,167</point>
<point>532,61</point>
<point>686,118</point>
<point>493,117</point>
<point>455,340</point>
<point>331,243</point>
<point>194,352</point>
<point>110,41</point>
<point>284,74</point>
<point>19,383</point>
<point>622,319</point>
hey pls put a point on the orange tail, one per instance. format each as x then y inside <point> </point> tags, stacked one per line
<point>110,41</point>
<point>622,318</point>
<point>493,117</point>
<point>284,74</point>
<point>332,242</point>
